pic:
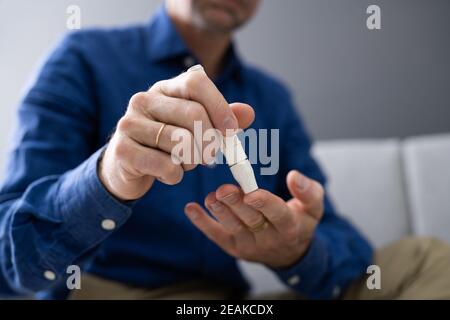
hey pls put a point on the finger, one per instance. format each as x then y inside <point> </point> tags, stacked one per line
<point>195,85</point>
<point>189,115</point>
<point>245,239</point>
<point>210,228</point>
<point>145,161</point>
<point>232,196</point>
<point>308,191</point>
<point>224,215</point>
<point>244,114</point>
<point>306,222</point>
<point>272,207</point>
<point>145,132</point>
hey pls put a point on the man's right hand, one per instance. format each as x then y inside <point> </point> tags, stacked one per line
<point>132,161</point>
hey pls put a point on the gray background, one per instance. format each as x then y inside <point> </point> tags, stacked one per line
<point>349,82</point>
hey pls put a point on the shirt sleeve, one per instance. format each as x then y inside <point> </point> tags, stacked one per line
<point>53,208</point>
<point>338,253</point>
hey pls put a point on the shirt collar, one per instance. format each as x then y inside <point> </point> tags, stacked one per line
<point>165,43</point>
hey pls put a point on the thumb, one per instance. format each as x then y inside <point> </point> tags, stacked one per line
<point>244,114</point>
<point>309,192</point>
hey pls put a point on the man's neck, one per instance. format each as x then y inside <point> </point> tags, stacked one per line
<point>209,47</point>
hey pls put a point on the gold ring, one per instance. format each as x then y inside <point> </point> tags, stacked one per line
<point>159,134</point>
<point>260,226</point>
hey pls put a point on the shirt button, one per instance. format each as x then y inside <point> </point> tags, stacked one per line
<point>188,62</point>
<point>49,275</point>
<point>294,280</point>
<point>108,224</point>
<point>336,291</point>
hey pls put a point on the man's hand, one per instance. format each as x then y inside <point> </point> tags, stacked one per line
<point>134,159</point>
<point>260,226</point>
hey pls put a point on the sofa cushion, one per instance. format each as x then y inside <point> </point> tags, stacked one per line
<point>366,184</point>
<point>427,173</point>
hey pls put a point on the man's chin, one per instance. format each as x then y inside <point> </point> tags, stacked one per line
<point>220,21</point>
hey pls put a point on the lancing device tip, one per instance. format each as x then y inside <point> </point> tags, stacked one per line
<point>239,164</point>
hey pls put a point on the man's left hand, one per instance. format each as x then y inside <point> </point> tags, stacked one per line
<point>260,226</point>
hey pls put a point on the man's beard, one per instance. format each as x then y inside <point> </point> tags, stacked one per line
<point>201,20</point>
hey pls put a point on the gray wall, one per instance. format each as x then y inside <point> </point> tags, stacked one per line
<point>348,81</point>
<point>352,82</point>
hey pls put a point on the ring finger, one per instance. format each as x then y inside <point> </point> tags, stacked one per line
<point>152,134</point>
<point>189,115</point>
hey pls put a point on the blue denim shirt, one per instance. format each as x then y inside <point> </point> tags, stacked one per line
<point>52,203</point>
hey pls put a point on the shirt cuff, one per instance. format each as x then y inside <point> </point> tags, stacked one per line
<point>89,215</point>
<point>309,274</point>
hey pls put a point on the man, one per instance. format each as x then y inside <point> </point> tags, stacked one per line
<point>114,206</point>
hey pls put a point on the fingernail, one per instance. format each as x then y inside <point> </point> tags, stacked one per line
<point>192,213</point>
<point>230,123</point>
<point>302,182</point>
<point>231,198</point>
<point>197,67</point>
<point>216,206</point>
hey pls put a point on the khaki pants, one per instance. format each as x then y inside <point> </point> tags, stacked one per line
<point>412,268</point>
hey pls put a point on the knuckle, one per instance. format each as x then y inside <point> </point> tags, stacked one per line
<point>194,112</point>
<point>125,124</point>
<point>173,174</point>
<point>153,101</point>
<point>254,220</point>
<point>156,85</point>
<point>275,218</point>
<point>120,149</point>
<point>152,98</point>
<point>137,101</point>
<point>193,81</point>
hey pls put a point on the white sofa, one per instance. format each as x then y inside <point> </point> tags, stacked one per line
<point>388,188</point>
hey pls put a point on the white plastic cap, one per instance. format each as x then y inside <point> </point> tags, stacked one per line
<point>244,175</point>
<point>239,165</point>
<point>232,150</point>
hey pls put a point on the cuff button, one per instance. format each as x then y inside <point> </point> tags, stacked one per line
<point>108,224</point>
<point>294,280</point>
<point>49,275</point>
<point>336,291</point>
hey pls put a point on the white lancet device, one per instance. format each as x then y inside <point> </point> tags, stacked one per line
<point>239,164</point>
